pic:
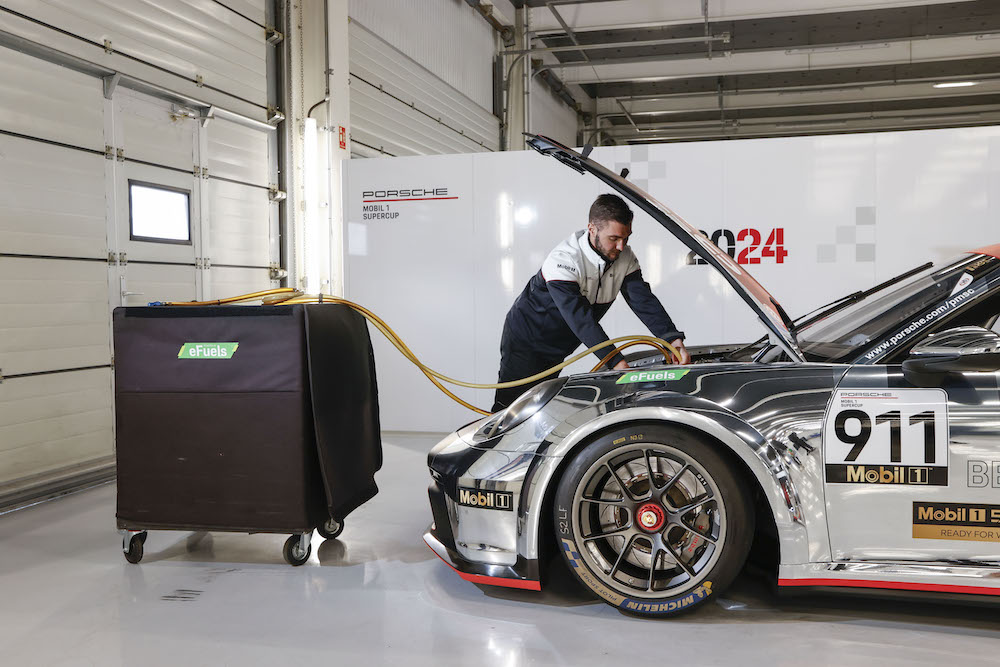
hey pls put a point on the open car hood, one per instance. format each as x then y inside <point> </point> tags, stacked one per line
<point>770,312</point>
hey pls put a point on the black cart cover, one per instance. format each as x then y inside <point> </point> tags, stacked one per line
<point>344,405</point>
<point>216,427</point>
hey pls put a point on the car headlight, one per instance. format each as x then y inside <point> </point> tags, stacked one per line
<point>520,410</point>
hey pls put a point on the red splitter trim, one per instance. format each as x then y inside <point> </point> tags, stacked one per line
<point>991,250</point>
<point>894,585</point>
<point>525,584</point>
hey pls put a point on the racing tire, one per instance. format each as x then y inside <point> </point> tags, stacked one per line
<point>653,520</point>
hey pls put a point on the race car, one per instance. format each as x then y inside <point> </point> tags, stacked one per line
<point>859,445</point>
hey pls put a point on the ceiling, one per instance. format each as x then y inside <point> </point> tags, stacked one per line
<point>668,70</point>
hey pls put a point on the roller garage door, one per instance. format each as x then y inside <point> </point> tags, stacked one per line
<point>398,107</point>
<point>110,196</point>
<point>55,348</point>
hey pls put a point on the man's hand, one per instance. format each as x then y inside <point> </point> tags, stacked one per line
<point>685,355</point>
<point>621,366</point>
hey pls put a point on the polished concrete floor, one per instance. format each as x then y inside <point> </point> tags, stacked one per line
<point>378,596</point>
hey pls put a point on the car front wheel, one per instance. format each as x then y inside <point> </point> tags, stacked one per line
<point>653,520</point>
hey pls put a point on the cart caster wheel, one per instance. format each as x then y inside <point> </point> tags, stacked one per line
<point>134,552</point>
<point>293,553</point>
<point>331,529</point>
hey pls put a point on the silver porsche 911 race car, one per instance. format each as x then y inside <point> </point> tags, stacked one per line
<point>861,444</point>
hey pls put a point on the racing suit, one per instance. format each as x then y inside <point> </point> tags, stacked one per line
<point>562,305</point>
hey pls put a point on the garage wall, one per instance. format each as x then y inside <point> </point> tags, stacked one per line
<point>68,148</point>
<point>446,37</point>
<point>398,107</point>
<point>54,299</point>
<point>551,116</point>
<point>216,50</point>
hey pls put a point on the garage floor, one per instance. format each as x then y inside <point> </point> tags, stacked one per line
<point>379,596</point>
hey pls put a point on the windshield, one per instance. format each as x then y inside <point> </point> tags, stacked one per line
<point>835,337</point>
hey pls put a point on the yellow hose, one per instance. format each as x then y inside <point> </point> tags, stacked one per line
<point>287,296</point>
<point>618,349</point>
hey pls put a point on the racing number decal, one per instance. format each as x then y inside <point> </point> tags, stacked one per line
<point>887,436</point>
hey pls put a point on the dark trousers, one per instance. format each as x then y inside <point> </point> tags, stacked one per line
<point>517,363</point>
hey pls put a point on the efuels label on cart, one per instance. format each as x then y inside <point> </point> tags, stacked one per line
<point>491,500</point>
<point>207,350</point>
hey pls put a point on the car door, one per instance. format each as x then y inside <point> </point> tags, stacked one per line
<point>913,472</point>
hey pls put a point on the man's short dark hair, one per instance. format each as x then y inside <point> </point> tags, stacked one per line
<point>610,208</point>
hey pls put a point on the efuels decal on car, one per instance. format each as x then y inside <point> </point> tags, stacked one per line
<point>652,376</point>
<point>887,436</point>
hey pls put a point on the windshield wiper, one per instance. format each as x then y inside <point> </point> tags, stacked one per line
<point>803,321</point>
<point>841,303</point>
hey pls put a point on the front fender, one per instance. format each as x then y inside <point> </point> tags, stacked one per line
<point>762,460</point>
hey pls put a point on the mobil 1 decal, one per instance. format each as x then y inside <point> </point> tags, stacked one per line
<point>972,522</point>
<point>887,436</point>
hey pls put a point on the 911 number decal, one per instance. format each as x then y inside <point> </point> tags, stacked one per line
<point>887,436</point>
<point>751,251</point>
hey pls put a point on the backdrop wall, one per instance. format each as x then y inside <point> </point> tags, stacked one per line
<point>440,246</point>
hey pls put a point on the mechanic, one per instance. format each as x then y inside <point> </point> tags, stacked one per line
<point>562,304</point>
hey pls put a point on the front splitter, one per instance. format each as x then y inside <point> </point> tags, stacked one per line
<point>448,557</point>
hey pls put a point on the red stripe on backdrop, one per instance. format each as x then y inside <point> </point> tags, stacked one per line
<point>379,201</point>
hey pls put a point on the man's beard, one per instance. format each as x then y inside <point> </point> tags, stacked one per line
<point>597,248</point>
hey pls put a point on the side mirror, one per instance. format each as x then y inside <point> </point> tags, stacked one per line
<point>958,350</point>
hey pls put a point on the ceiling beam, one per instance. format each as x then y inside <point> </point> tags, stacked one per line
<point>791,97</point>
<point>802,126</point>
<point>774,60</point>
<point>615,14</point>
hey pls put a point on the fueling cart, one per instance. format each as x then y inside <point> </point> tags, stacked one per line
<point>253,419</point>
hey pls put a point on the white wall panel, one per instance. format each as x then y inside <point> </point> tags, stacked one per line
<point>157,282</point>
<point>53,315</point>
<point>148,131</point>
<point>227,281</point>
<point>237,152</point>
<point>53,421</point>
<point>240,225</point>
<point>187,37</point>
<point>252,9</point>
<point>447,37</point>
<point>51,200</point>
<point>855,210</point>
<point>429,295</point>
<point>551,116</point>
<point>379,120</point>
<point>50,102</point>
